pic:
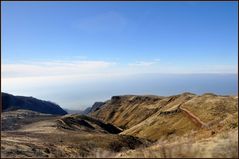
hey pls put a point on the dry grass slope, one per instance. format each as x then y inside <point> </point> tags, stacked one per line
<point>67,136</point>
<point>161,117</point>
<point>224,145</point>
<point>185,125</point>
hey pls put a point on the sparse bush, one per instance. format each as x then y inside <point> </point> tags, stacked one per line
<point>115,146</point>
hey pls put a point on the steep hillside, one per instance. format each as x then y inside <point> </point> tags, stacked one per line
<point>124,111</point>
<point>129,110</point>
<point>11,102</point>
<point>154,117</point>
<point>93,108</point>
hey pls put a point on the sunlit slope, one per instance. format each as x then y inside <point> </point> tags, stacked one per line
<point>155,117</point>
<point>129,110</point>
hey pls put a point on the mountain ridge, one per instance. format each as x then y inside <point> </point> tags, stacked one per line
<point>155,117</point>
<point>12,102</point>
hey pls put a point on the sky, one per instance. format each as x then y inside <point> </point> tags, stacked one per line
<point>76,53</point>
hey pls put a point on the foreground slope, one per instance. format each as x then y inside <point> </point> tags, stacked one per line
<point>61,136</point>
<point>221,145</point>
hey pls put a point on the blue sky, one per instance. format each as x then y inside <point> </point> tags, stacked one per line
<point>62,46</point>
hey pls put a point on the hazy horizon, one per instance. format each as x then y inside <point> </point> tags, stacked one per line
<point>78,96</point>
<point>76,53</point>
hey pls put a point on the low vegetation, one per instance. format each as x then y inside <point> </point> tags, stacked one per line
<point>185,125</point>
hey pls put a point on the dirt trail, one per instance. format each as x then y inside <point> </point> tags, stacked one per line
<point>193,117</point>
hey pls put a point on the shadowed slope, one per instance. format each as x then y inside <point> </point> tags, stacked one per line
<point>82,122</point>
<point>11,102</point>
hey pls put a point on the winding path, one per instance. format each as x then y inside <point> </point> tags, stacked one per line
<point>193,117</point>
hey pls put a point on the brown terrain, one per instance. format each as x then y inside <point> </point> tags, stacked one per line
<point>61,136</point>
<point>184,125</point>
